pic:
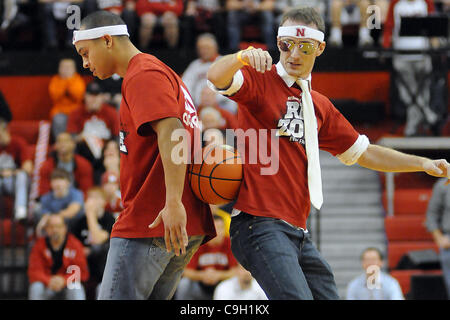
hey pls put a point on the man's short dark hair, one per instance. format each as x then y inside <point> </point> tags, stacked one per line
<point>60,174</point>
<point>306,15</point>
<point>380,254</point>
<point>101,19</point>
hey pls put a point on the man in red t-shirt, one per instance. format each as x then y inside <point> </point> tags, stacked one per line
<point>211,264</point>
<point>162,223</point>
<point>268,226</point>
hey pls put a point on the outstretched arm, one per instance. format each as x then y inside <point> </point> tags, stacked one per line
<point>388,160</point>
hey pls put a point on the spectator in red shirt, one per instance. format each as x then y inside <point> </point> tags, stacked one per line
<point>212,263</point>
<point>64,157</point>
<point>16,166</point>
<point>159,12</point>
<point>57,264</point>
<point>93,123</point>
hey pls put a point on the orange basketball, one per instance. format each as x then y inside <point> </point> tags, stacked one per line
<point>216,180</point>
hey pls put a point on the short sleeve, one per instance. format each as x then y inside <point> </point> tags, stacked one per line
<point>77,196</point>
<point>151,96</point>
<point>246,88</point>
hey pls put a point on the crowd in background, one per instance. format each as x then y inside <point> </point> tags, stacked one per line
<point>175,23</point>
<point>79,196</point>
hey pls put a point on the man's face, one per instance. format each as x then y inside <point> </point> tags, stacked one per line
<point>60,187</point>
<point>55,228</point>
<point>206,49</point>
<point>97,56</point>
<point>93,102</point>
<point>66,68</point>
<point>64,143</point>
<point>371,258</point>
<point>296,63</point>
<point>98,199</point>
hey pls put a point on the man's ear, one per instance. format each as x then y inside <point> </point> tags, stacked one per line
<point>108,41</point>
<point>321,48</point>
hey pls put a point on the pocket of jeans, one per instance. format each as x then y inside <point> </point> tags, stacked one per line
<point>159,242</point>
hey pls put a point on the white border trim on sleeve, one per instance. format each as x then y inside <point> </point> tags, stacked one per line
<point>352,154</point>
<point>238,81</point>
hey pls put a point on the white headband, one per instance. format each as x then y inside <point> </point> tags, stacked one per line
<point>301,32</point>
<point>95,33</point>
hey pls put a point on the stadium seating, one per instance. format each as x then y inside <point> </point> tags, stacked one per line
<point>406,228</point>
<point>409,201</point>
<point>11,233</point>
<point>404,277</point>
<point>396,250</point>
<point>27,129</point>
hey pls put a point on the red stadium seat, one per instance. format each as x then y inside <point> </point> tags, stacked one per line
<point>11,232</point>
<point>406,228</point>
<point>404,277</point>
<point>396,250</point>
<point>410,180</point>
<point>409,201</point>
<point>27,129</point>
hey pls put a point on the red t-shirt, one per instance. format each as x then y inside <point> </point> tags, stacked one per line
<point>104,123</point>
<point>152,91</point>
<point>218,257</point>
<point>14,154</point>
<point>266,102</point>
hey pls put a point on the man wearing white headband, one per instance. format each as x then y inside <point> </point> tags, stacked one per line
<point>163,223</point>
<point>268,226</point>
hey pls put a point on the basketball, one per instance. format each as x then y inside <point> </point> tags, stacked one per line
<point>216,180</point>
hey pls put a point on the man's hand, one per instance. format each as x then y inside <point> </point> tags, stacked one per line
<point>438,168</point>
<point>174,220</point>
<point>41,225</point>
<point>57,283</point>
<point>211,276</point>
<point>257,59</point>
<point>443,242</point>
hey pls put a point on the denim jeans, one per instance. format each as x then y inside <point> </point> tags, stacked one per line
<point>18,186</point>
<point>140,269</point>
<point>282,258</point>
<point>445,264</point>
<point>236,19</point>
<point>38,291</point>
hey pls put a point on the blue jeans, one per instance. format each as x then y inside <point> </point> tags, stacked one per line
<point>140,269</point>
<point>236,19</point>
<point>16,185</point>
<point>445,264</point>
<point>38,291</point>
<point>283,259</point>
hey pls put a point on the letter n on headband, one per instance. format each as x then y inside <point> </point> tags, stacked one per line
<point>300,32</point>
